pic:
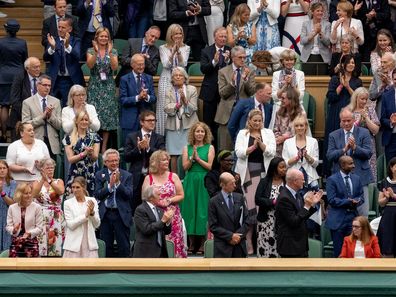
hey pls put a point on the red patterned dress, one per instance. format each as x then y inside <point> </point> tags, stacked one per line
<point>168,190</point>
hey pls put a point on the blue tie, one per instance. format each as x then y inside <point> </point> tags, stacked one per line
<point>348,186</point>
<point>62,66</point>
<point>230,203</point>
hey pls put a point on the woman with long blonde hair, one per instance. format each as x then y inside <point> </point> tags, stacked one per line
<point>82,151</point>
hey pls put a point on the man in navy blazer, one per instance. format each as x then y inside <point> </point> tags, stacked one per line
<point>353,141</point>
<point>388,121</point>
<point>113,190</point>
<point>50,24</point>
<point>139,147</point>
<point>85,12</point>
<point>62,54</point>
<point>136,94</point>
<point>227,219</point>
<point>239,114</point>
<point>213,58</point>
<point>343,200</point>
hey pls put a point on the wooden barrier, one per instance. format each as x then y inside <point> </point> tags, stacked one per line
<point>195,264</point>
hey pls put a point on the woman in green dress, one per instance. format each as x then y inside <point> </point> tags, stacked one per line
<point>102,59</point>
<point>197,157</point>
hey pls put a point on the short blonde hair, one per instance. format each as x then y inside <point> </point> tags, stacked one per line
<point>301,118</point>
<point>287,54</point>
<point>347,7</point>
<point>73,90</point>
<point>253,113</point>
<point>172,31</point>
<point>155,159</point>
<point>20,190</point>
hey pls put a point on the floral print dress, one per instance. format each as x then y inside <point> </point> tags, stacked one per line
<point>86,167</point>
<point>51,240</point>
<point>168,190</point>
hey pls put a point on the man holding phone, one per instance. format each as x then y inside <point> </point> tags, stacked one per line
<point>227,220</point>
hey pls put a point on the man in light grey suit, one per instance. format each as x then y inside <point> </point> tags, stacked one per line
<point>44,113</point>
<point>236,81</point>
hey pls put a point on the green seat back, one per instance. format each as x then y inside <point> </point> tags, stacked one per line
<point>195,69</point>
<point>209,248</point>
<point>170,247</point>
<point>315,248</point>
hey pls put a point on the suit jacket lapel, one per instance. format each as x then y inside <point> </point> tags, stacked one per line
<point>224,206</point>
<point>37,103</point>
<point>150,212</point>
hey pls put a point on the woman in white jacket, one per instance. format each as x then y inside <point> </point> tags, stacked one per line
<point>82,218</point>
<point>255,147</point>
<point>302,152</point>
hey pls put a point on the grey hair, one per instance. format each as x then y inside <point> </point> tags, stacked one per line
<point>237,49</point>
<point>110,152</point>
<point>42,77</point>
<point>148,193</point>
<point>183,72</point>
<point>74,89</point>
<point>291,174</point>
<point>28,61</point>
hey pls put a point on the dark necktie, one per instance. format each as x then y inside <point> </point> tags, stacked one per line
<point>230,203</point>
<point>145,49</point>
<point>237,83</point>
<point>260,107</point>
<point>44,105</point>
<point>34,89</point>
<point>159,241</point>
<point>138,82</point>
<point>348,186</point>
<point>299,200</point>
<point>221,58</point>
<point>146,157</point>
<point>62,66</point>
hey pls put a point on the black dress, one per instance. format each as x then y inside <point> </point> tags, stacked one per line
<point>387,227</point>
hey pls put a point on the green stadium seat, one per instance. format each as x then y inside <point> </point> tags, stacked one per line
<point>373,201</point>
<point>315,248</point>
<point>170,247</point>
<point>119,45</point>
<point>102,248</point>
<point>195,69</point>
<point>209,248</point>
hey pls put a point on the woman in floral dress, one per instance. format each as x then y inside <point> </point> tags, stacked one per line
<point>82,151</point>
<point>102,59</point>
<point>48,193</point>
<point>172,193</point>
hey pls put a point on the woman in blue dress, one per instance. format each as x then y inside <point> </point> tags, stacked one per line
<point>265,13</point>
<point>7,189</point>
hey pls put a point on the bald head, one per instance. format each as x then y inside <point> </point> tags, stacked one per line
<point>227,182</point>
<point>295,179</point>
<point>346,164</point>
<point>138,63</point>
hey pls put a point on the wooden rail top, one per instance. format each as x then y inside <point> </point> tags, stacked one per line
<point>251,264</point>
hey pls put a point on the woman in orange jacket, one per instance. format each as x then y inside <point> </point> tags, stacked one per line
<point>362,243</point>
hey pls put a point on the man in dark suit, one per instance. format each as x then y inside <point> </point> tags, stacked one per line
<point>136,95</point>
<point>344,193</point>
<point>63,54</point>
<point>261,101</point>
<point>291,212</point>
<point>50,25</point>
<point>353,141</point>
<point>236,81</point>
<point>227,220</point>
<point>23,86</point>
<point>388,121</point>
<point>213,58</point>
<point>152,224</point>
<point>190,15</point>
<point>92,15</point>
<point>146,47</point>
<point>114,189</point>
<point>139,147</point>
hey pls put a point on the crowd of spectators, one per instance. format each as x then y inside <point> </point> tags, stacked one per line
<point>172,178</point>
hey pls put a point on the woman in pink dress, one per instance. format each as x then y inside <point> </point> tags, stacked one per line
<point>172,193</point>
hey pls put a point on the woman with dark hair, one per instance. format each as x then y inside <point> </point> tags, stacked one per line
<point>13,53</point>
<point>290,108</point>
<point>341,88</point>
<point>387,199</point>
<point>225,163</point>
<point>385,43</point>
<point>7,189</point>
<point>266,195</point>
<point>362,243</point>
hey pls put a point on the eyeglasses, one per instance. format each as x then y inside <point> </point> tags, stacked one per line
<point>151,120</point>
<point>45,85</point>
<point>356,227</point>
<point>228,160</point>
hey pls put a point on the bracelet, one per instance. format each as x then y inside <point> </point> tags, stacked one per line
<point>3,194</point>
<point>81,156</point>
